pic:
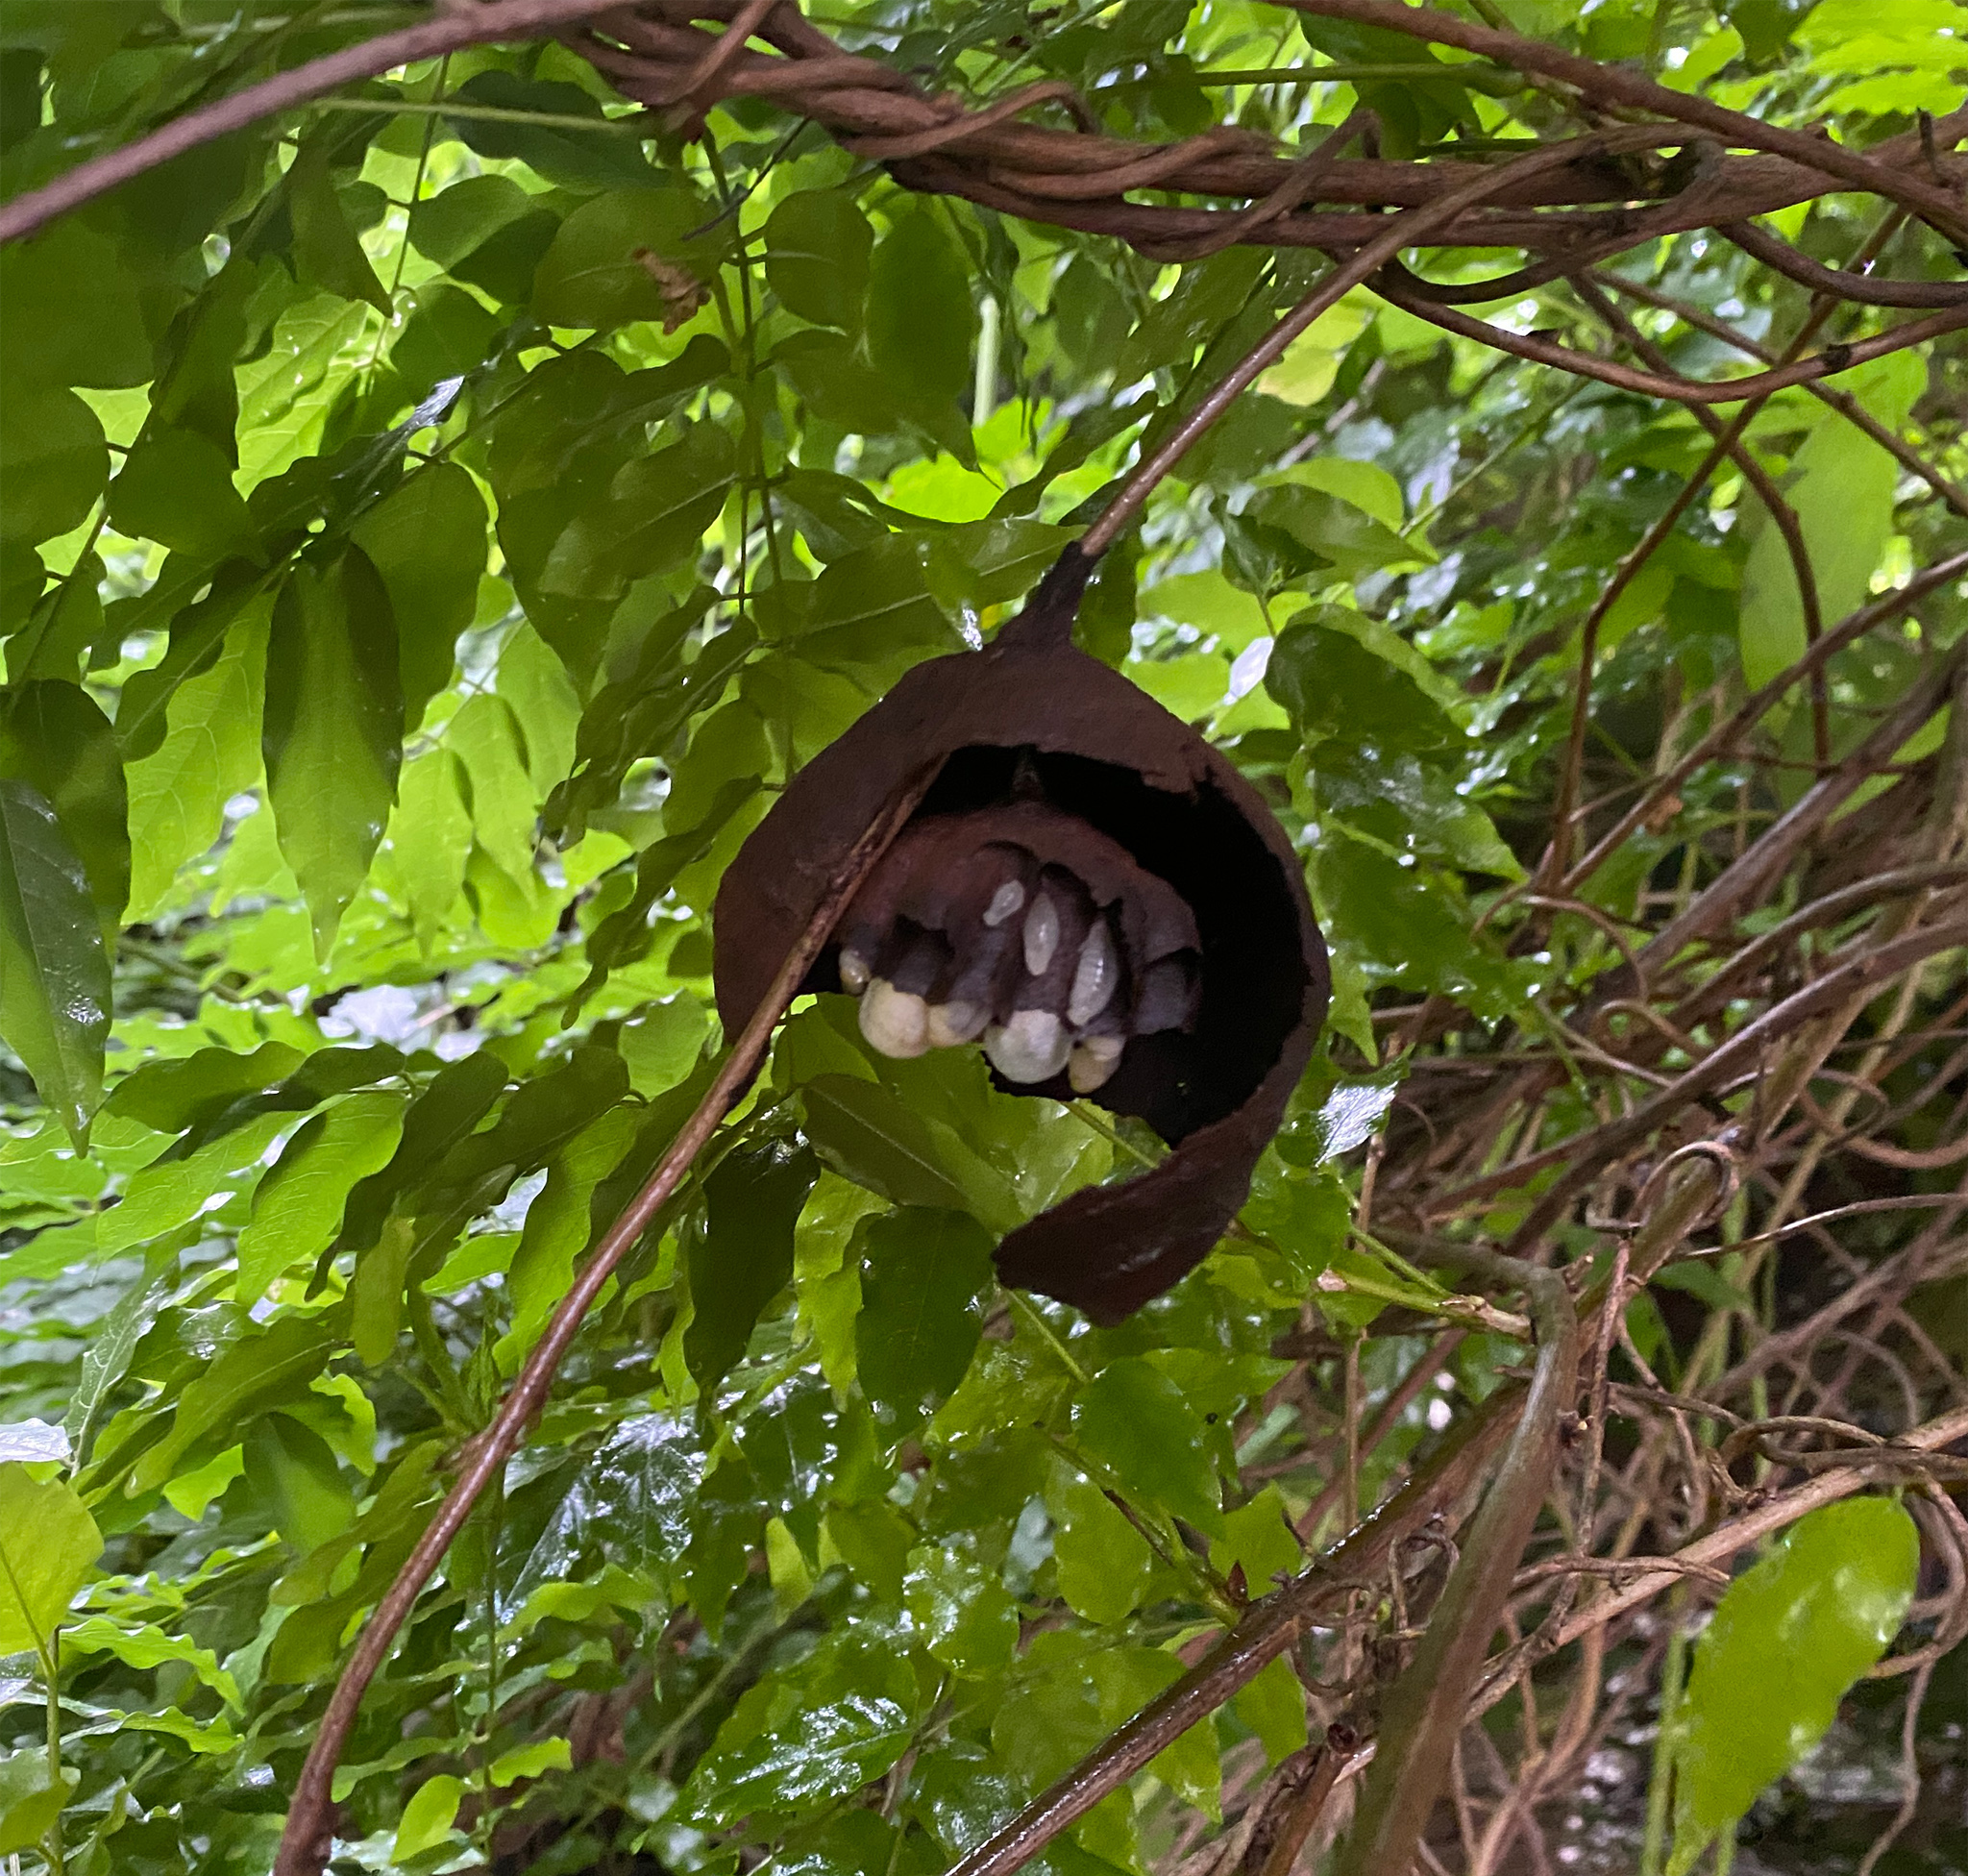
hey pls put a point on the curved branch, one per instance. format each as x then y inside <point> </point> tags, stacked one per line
<point>1402,231</point>
<point>1585,1154</point>
<point>1542,351</point>
<point>1782,514</point>
<point>1843,402</point>
<point>1836,282</point>
<point>1616,85</point>
<point>469,25</point>
<point>1758,705</point>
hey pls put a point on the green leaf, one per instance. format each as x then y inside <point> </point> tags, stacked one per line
<point>605,266</point>
<point>176,487</point>
<point>293,1474</point>
<point>175,1092</point>
<point>427,540</point>
<point>1103,1562</point>
<point>209,752</point>
<point>1273,1706</point>
<point>743,1255</point>
<point>863,1131</point>
<point>1257,1536</point>
<point>178,1187</point>
<point>961,1609</point>
<point>923,1273</point>
<point>572,158</point>
<point>448,1111</point>
<point>1126,1679</point>
<point>107,1358</point>
<point>299,1203</point>
<point>448,227</point>
<point>873,611</point>
<point>817,245</point>
<point>1842,489</point>
<point>823,1752</point>
<point>1788,1639</point>
<point>530,1760</point>
<point>430,840</point>
<point>839,387</point>
<point>446,335</point>
<point>327,251</point>
<point>558,1228</point>
<point>42,281</point>
<point>1134,1421</point>
<point>47,1543</point>
<point>656,515</point>
<point>55,737</point>
<point>989,562</point>
<point>427,1818</point>
<point>149,1646</point>
<point>53,460</point>
<point>625,934</point>
<point>921,319</point>
<point>1299,530</point>
<point>65,624</point>
<point>334,733</point>
<point>31,1799</point>
<point>257,1372</point>
<point>53,971</point>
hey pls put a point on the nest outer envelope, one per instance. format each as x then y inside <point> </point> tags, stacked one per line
<point>1103,748</point>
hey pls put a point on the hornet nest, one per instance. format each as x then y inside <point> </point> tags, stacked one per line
<point>1088,888</point>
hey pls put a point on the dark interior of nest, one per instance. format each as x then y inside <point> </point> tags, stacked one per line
<point>1099,936</point>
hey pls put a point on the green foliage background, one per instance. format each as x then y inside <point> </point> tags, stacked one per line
<point>436,522</point>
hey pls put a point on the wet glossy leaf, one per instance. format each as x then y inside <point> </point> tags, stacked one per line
<point>1103,1562</point>
<point>55,737</point>
<point>827,1752</point>
<point>1134,1421</point>
<point>962,1611</point>
<point>923,1275</point>
<point>743,1255</point>
<point>54,972</point>
<point>1786,1642</point>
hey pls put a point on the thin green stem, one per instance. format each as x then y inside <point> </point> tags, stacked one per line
<point>1673,1675</point>
<point>403,252</point>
